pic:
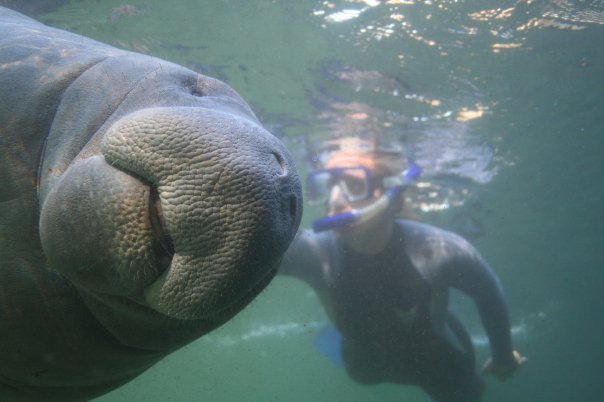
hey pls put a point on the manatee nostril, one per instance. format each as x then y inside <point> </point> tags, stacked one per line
<point>293,207</point>
<point>158,227</point>
<point>196,92</point>
<point>281,162</point>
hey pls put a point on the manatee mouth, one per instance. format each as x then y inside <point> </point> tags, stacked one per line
<point>218,315</point>
<point>165,251</point>
<point>165,254</point>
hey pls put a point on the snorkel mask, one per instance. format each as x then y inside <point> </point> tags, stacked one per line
<point>357,184</point>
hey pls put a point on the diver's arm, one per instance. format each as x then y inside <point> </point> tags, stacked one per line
<point>468,271</point>
<point>303,257</point>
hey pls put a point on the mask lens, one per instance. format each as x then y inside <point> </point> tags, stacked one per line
<point>355,184</point>
<point>353,181</point>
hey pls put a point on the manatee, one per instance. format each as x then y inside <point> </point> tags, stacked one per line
<point>142,205</point>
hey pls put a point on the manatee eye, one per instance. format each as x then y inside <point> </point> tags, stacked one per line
<point>158,226</point>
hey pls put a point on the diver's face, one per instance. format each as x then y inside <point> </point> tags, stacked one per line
<point>339,203</point>
<point>340,199</point>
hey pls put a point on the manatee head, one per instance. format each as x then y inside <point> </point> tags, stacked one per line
<point>183,211</point>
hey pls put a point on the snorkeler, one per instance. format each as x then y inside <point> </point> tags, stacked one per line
<point>384,282</point>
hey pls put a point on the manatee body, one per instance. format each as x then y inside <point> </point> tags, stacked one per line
<point>141,206</point>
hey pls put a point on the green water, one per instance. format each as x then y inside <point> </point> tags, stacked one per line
<point>542,95</point>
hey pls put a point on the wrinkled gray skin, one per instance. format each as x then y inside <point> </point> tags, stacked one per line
<point>141,206</point>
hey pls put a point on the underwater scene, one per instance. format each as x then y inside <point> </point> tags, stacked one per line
<point>501,105</point>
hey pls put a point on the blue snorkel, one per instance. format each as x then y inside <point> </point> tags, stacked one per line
<point>364,214</point>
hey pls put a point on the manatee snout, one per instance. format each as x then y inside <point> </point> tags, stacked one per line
<point>195,206</point>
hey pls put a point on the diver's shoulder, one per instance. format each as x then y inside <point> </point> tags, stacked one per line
<point>424,233</point>
<point>410,227</point>
<point>435,251</point>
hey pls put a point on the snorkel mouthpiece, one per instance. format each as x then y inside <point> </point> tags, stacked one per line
<point>357,215</point>
<point>412,172</point>
<point>336,221</point>
<point>364,214</point>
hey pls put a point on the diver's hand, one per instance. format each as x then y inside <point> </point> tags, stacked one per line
<point>503,372</point>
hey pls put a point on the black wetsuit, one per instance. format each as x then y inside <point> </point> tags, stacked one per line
<point>391,308</point>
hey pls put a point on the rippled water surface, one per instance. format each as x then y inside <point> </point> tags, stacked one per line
<point>501,102</point>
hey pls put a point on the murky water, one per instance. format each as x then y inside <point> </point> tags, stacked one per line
<point>500,101</point>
